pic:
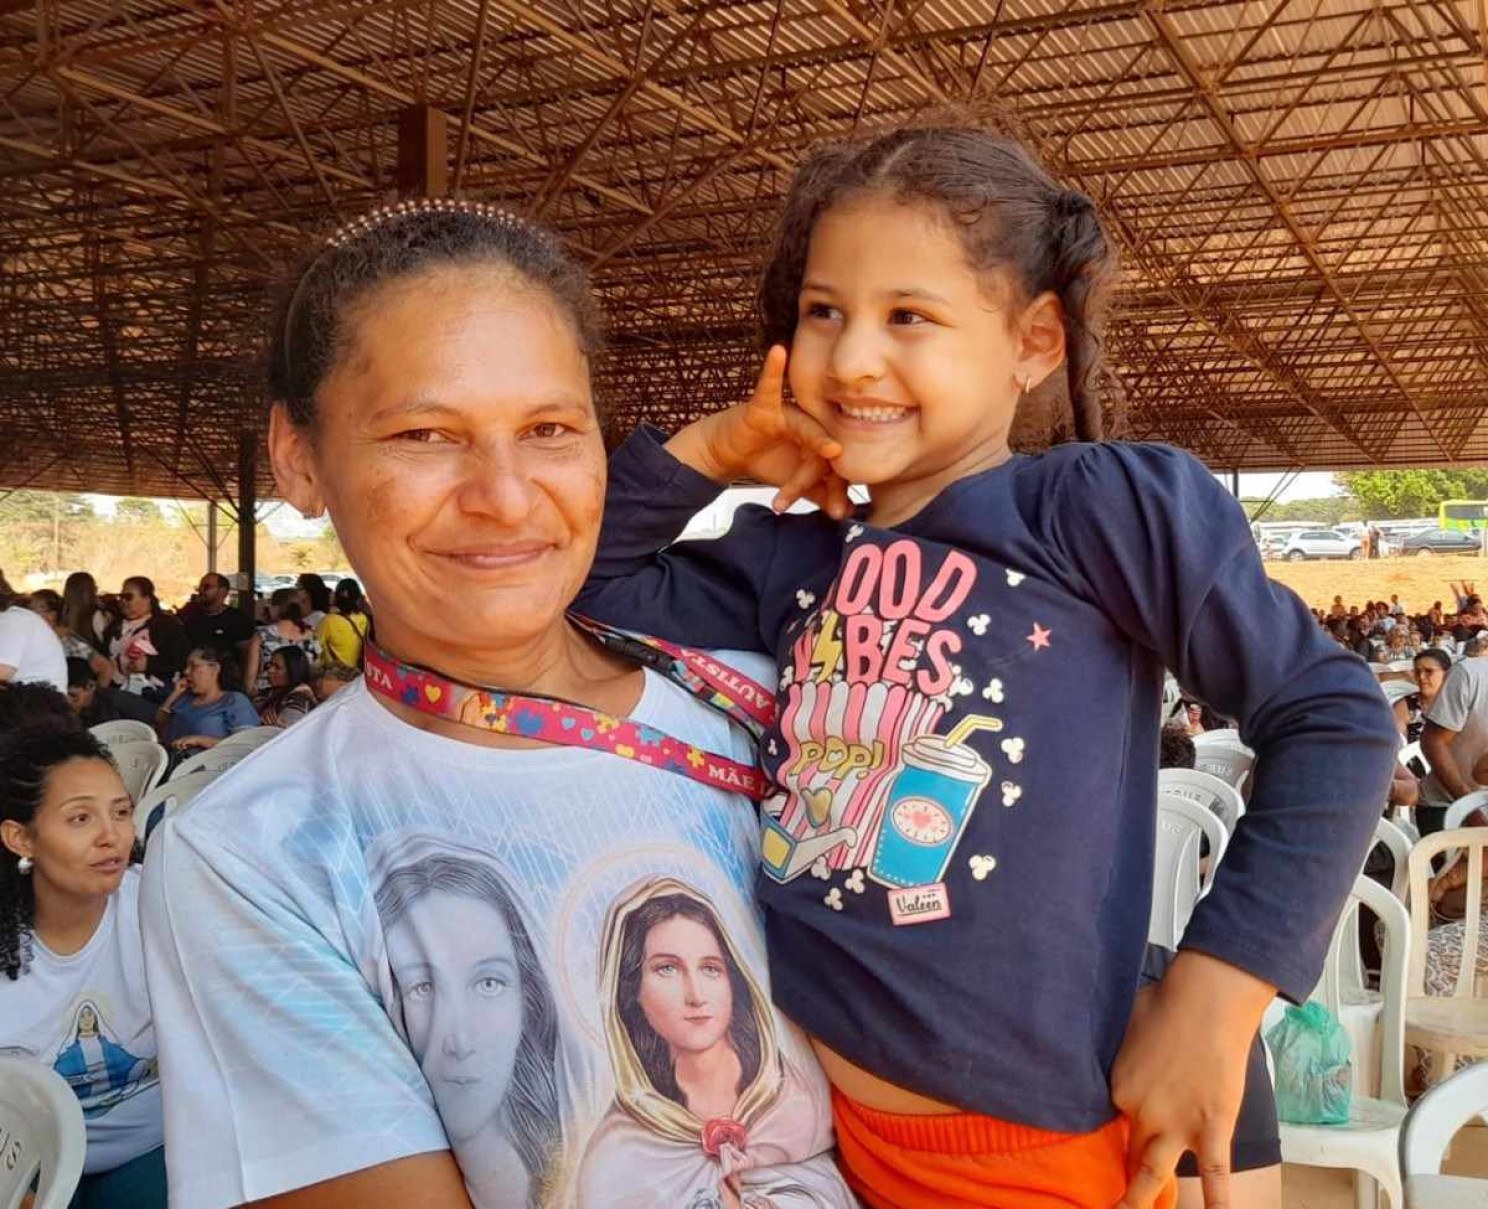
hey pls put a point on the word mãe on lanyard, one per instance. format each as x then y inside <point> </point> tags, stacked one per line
<point>569,724</point>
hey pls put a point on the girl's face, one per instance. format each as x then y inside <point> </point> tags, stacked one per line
<point>82,833</point>
<point>461,990</point>
<point>903,353</point>
<point>278,673</point>
<point>1429,676</point>
<point>460,455</point>
<point>685,992</point>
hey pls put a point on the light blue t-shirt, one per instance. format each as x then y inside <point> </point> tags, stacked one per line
<point>368,941</point>
<point>230,712</point>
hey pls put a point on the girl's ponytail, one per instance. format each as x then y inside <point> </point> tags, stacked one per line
<point>1082,260</point>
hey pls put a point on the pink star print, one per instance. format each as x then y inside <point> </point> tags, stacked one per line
<point>1039,637</point>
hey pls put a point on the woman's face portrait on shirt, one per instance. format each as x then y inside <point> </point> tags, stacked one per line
<point>685,991</point>
<point>457,447</point>
<point>460,985</point>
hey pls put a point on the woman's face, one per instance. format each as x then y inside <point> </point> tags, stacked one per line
<point>461,990</point>
<point>82,833</point>
<point>278,673</point>
<point>133,603</point>
<point>1429,677</point>
<point>458,450</point>
<point>685,991</point>
<point>202,677</point>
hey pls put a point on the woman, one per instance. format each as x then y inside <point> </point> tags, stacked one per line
<point>83,612</point>
<point>344,630</point>
<point>450,474</point>
<point>73,993</point>
<point>285,628</point>
<point>462,904</point>
<point>314,598</point>
<point>29,650</point>
<point>52,609</point>
<point>290,695</point>
<point>1429,670</point>
<point>147,645</point>
<point>205,706</point>
<point>697,1063</point>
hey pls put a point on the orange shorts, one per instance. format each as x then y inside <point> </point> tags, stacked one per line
<point>966,1161</point>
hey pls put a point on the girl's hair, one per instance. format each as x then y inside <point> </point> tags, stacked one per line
<point>650,1047</point>
<point>1438,657</point>
<point>296,665</point>
<point>80,605</point>
<point>284,604</point>
<point>348,596</point>
<point>145,586</point>
<point>48,601</point>
<point>28,754</point>
<point>529,1113</point>
<point>397,242</point>
<point>227,669</point>
<point>315,588</point>
<point>1010,215</point>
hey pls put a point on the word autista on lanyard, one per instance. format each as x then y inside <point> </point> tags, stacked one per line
<point>569,724</point>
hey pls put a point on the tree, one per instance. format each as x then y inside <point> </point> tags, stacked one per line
<point>1412,493</point>
<point>137,511</point>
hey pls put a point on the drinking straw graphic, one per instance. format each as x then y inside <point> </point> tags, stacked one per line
<point>969,726</point>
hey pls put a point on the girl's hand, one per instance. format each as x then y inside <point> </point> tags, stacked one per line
<point>769,441</point>
<point>1205,1012</point>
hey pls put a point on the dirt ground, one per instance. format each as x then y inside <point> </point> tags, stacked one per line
<point>1417,581</point>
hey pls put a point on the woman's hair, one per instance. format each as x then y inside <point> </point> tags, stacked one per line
<point>650,1047</point>
<point>1010,215</point>
<point>228,679</point>
<point>296,666</point>
<point>145,586</point>
<point>1438,657</point>
<point>529,1114</point>
<point>315,588</point>
<point>44,600</point>
<point>397,242</point>
<point>8,595</point>
<point>284,605</point>
<point>348,596</point>
<point>80,605</point>
<point>28,753</point>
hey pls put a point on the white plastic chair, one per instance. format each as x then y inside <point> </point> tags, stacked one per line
<point>1367,1145</point>
<point>1429,1128</point>
<point>1447,1025</point>
<point>1230,762</point>
<point>1227,735</point>
<point>41,1134</point>
<point>145,806</point>
<point>1401,665</point>
<point>1399,843</point>
<point>141,765</point>
<point>1207,790</point>
<point>214,760</point>
<point>1172,699</point>
<point>1177,884</point>
<point>122,731</point>
<point>183,789</point>
<point>244,741</point>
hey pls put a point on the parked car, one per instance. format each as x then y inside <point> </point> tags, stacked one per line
<point>1321,543</point>
<point>1442,541</point>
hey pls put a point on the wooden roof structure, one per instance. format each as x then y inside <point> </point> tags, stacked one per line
<point>1299,189</point>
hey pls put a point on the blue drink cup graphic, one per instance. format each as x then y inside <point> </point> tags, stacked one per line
<point>929,803</point>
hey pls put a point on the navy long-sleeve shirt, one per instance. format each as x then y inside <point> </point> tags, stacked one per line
<point>957,868</point>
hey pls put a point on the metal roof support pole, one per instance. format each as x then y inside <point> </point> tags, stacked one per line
<point>211,536</point>
<point>423,152</point>
<point>247,507</point>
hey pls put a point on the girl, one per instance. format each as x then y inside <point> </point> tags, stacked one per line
<point>72,973</point>
<point>290,695</point>
<point>956,882</point>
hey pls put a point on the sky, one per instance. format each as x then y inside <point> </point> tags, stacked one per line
<point>1309,485</point>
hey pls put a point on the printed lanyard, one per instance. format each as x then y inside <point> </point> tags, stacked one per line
<point>568,724</point>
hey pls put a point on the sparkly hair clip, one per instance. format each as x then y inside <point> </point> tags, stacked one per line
<point>358,227</point>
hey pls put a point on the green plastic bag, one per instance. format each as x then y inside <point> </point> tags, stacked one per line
<point>1314,1076</point>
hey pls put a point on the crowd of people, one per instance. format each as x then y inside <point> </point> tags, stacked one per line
<point>198,674</point>
<point>653,925</point>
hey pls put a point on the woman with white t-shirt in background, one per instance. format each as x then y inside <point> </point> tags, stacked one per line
<point>72,973</point>
<point>29,650</point>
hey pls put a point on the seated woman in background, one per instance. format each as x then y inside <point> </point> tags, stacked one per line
<point>205,706</point>
<point>72,973</point>
<point>48,605</point>
<point>1429,670</point>
<point>290,696</point>
<point>344,629</point>
<point>287,628</point>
